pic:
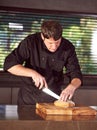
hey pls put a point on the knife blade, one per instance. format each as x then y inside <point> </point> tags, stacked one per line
<point>51,93</point>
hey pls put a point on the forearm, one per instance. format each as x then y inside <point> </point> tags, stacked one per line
<point>21,70</point>
<point>76,83</point>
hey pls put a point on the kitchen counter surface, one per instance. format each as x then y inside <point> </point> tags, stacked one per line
<point>13,117</point>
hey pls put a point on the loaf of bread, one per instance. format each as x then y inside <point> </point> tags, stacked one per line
<point>64,104</point>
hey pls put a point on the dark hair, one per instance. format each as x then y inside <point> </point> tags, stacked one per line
<point>51,29</point>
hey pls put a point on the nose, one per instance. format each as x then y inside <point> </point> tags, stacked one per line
<point>54,46</point>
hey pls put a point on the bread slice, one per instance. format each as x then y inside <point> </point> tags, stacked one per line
<point>65,104</point>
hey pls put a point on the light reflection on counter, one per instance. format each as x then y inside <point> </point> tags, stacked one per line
<point>11,112</point>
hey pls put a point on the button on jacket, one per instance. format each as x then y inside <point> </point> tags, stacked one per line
<point>33,53</point>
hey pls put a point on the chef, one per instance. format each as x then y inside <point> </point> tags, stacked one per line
<point>39,61</point>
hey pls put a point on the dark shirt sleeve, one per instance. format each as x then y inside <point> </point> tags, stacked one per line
<point>72,67</point>
<point>18,55</point>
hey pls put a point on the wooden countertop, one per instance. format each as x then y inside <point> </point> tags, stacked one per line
<point>13,117</point>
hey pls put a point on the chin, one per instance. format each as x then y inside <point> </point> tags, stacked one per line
<point>52,50</point>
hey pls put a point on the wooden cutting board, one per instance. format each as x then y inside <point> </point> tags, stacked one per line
<point>51,109</point>
<point>65,117</point>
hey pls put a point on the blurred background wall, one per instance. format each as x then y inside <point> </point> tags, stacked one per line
<point>82,6</point>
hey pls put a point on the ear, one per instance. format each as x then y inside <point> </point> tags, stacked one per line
<point>42,37</point>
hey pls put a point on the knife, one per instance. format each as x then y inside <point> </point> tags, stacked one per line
<point>51,93</point>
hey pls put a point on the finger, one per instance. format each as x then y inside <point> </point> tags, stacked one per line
<point>37,83</point>
<point>70,96</point>
<point>66,97</point>
<point>63,97</point>
<point>45,84</point>
<point>41,85</point>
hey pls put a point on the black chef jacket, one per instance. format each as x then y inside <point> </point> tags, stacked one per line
<point>32,53</point>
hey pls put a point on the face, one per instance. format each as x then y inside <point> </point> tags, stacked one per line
<point>51,44</point>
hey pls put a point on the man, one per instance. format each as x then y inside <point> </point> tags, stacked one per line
<point>39,61</point>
